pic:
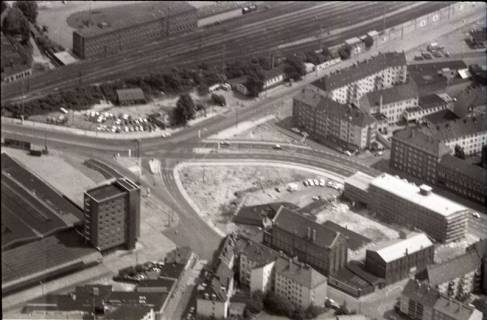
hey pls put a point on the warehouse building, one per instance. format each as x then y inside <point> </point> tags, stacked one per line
<point>324,249</point>
<point>396,200</point>
<point>118,28</point>
<point>130,96</point>
<point>400,259</point>
<point>112,215</point>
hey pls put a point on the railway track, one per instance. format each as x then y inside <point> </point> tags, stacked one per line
<point>237,44</point>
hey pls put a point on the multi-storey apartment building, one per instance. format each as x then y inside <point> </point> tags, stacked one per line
<point>299,283</point>
<point>462,177</point>
<point>112,215</point>
<point>256,267</point>
<point>417,153</point>
<point>470,133</point>
<point>450,275</point>
<point>391,102</point>
<point>421,302</point>
<point>400,259</point>
<point>107,33</point>
<point>324,249</point>
<point>379,72</point>
<point>327,120</point>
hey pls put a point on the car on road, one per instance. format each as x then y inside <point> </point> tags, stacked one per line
<point>476,215</point>
<point>316,198</point>
<point>330,303</point>
<point>316,182</point>
<point>277,147</point>
<point>277,190</point>
<point>348,153</point>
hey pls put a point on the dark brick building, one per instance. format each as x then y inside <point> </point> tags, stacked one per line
<point>400,259</point>
<point>321,247</point>
<point>115,29</point>
<point>112,215</point>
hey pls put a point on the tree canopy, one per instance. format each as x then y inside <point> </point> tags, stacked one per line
<point>369,42</point>
<point>459,152</point>
<point>29,9</point>
<point>15,23</point>
<point>184,110</point>
<point>294,67</point>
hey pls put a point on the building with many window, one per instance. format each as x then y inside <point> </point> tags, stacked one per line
<point>299,283</point>
<point>462,177</point>
<point>326,120</point>
<point>324,249</point>
<point>112,215</point>
<point>421,302</point>
<point>351,84</point>
<point>400,259</point>
<point>106,33</point>
<point>396,200</point>
<point>427,105</point>
<point>417,153</point>
<point>391,102</point>
<point>449,275</point>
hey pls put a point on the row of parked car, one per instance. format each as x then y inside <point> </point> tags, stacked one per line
<point>322,183</point>
<point>119,123</point>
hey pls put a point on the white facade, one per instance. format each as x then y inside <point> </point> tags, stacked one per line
<point>273,81</point>
<point>261,278</point>
<point>212,308</point>
<point>298,294</point>
<point>386,78</point>
<point>327,64</point>
<point>471,144</point>
<point>418,113</point>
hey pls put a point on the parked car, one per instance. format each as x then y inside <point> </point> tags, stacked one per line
<point>322,182</point>
<point>277,147</point>
<point>316,182</point>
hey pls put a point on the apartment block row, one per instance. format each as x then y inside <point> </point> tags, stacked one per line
<point>426,153</point>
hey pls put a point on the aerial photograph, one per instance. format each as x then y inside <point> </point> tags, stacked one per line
<point>244,160</point>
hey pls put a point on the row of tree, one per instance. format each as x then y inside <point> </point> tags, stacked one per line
<point>16,22</point>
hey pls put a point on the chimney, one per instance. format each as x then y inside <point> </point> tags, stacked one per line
<point>314,235</point>
<point>308,234</point>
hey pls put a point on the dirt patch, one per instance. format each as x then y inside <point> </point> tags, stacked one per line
<point>264,132</point>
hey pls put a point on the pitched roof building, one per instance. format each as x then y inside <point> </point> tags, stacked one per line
<point>315,244</point>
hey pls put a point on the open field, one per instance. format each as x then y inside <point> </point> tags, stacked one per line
<point>213,187</point>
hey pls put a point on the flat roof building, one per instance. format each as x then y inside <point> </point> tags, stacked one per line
<point>130,96</point>
<point>396,200</point>
<point>112,215</point>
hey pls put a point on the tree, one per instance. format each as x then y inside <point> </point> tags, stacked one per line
<point>256,303</point>
<point>294,68</point>
<point>184,110</point>
<point>313,311</point>
<point>451,289</point>
<point>278,305</point>
<point>369,42</point>
<point>29,9</point>
<point>312,57</point>
<point>16,24</point>
<point>203,88</point>
<point>461,292</point>
<point>298,314</point>
<point>459,152</point>
<point>345,52</point>
<point>218,99</point>
<point>326,53</point>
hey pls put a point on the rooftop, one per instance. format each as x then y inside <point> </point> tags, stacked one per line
<point>361,70</point>
<point>295,223</point>
<point>359,180</point>
<point>32,262</point>
<point>419,139</point>
<point>457,267</point>
<point>299,272</point>
<point>474,172</point>
<point>441,117</point>
<point>101,21</point>
<point>105,191</point>
<point>455,310</point>
<point>257,252</point>
<point>431,100</point>
<point>130,94</point>
<point>400,248</point>
<point>255,214</point>
<point>355,241</point>
<point>458,128</point>
<point>31,209</point>
<point>417,291</point>
<point>397,93</point>
<point>410,192</point>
